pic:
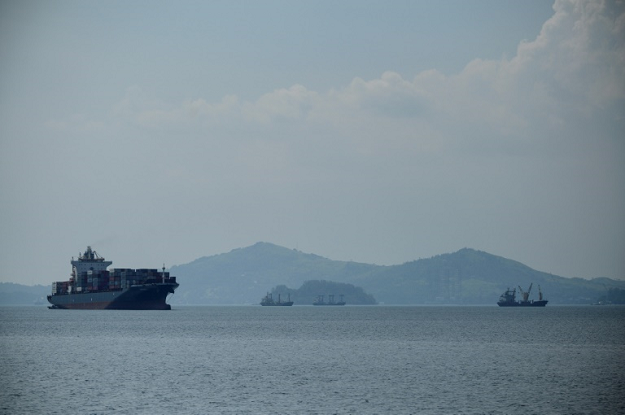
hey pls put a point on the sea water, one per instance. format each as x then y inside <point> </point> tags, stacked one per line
<point>313,360</point>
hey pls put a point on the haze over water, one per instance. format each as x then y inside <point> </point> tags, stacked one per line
<point>310,360</point>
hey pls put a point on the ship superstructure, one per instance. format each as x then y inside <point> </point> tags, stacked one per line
<point>93,286</point>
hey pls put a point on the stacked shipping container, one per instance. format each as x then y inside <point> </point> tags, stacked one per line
<point>115,280</point>
<point>60,287</point>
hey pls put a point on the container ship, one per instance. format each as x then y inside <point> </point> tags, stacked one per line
<point>92,287</point>
<point>508,299</point>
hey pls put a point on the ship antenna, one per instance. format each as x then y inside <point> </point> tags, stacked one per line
<point>163,273</point>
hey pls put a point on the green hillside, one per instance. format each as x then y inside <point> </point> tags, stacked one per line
<point>474,277</point>
<point>244,275</point>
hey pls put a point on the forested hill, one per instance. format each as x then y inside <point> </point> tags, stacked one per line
<point>244,275</point>
<point>475,277</point>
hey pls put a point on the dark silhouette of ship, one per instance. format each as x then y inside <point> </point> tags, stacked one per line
<point>320,300</point>
<point>508,298</point>
<point>269,301</point>
<point>91,286</point>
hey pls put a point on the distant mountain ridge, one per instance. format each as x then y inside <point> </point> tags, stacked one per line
<point>18,294</point>
<point>468,276</point>
<point>244,275</point>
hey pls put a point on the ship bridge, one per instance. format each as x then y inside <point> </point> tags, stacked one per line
<point>89,261</point>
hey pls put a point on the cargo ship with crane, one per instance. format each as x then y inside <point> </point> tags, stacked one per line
<point>508,298</point>
<point>92,286</point>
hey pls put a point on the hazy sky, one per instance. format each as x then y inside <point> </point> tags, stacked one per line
<point>372,131</point>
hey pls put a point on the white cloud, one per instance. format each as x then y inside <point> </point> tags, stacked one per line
<point>284,104</point>
<point>579,54</point>
<point>574,68</point>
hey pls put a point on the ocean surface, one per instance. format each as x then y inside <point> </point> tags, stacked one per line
<point>313,360</point>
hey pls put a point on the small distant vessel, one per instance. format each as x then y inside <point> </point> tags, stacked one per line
<point>320,300</point>
<point>269,301</point>
<point>508,298</point>
<point>93,287</point>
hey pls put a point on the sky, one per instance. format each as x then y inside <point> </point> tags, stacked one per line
<point>369,131</point>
